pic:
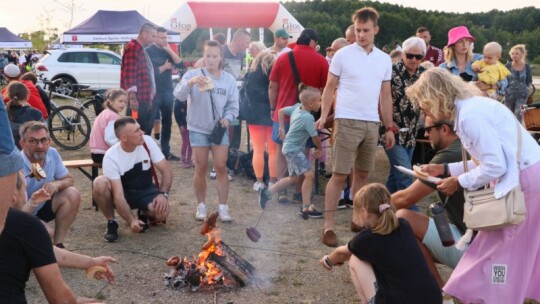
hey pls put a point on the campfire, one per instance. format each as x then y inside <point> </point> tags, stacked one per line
<point>217,265</point>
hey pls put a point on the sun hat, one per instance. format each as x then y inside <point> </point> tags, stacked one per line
<point>456,33</point>
<point>12,71</point>
<point>281,33</point>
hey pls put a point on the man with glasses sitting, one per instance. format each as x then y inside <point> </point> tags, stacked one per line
<point>64,199</point>
<point>448,150</point>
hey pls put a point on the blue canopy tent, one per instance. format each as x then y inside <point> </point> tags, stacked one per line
<point>8,40</point>
<point>110,27</point>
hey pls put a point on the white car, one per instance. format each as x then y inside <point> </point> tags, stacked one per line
<point>100,69</point>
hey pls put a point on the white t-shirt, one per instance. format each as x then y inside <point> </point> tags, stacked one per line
<point>117,162</point>
<point>360,79</point>
<point>283,51</point>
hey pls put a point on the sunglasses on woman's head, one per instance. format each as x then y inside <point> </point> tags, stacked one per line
<point>417,56</point>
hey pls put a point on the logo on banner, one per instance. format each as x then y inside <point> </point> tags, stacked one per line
<point>289,25</point>
<point>181,26</point>
<point>74,38</point>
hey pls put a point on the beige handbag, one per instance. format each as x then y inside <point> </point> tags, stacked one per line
<point>482,211</point>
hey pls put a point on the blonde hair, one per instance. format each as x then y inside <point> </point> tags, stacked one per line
<point>111,95</point>
<point>427,65</point>
<point>449,54</point>
<point>437,89</point>
<point>371,197</point>
<point>493,48</point>
<point>266,60</point>
<point>308,94</point>
<point>519,47</point>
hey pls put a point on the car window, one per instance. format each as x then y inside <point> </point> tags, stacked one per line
<point>78,57</point>
<point>105,58</point>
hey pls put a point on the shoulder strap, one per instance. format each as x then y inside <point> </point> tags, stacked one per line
<point>295,74</point>
<point>211,99</point>
<point>156,181</point>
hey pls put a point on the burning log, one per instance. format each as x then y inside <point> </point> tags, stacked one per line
<point>232,263</point>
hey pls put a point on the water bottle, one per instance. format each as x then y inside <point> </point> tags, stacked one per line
<point>443,228</point>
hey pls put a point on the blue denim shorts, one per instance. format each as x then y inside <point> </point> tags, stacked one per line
<point>197,139</point>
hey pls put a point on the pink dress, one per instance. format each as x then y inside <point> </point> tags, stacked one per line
<point>503,266</point>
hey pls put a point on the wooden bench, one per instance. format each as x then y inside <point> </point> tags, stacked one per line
<point>82,164</point>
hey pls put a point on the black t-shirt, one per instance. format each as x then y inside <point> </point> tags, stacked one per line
<point>454,208</point>
<point>24,244</point>
<point>159,56</point>
<point>400,269</point>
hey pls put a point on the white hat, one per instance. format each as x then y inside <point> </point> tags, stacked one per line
<point>12,71</point>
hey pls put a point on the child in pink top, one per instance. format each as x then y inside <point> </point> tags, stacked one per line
<point>102,135</point>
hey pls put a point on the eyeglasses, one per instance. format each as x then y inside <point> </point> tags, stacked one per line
<point>36,141</point>
<point>428,129</point>
<point>417,56</point>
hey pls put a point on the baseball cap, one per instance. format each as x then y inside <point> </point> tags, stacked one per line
<point>456,33</point>
<point>12,70</point>
<point>281,33</point>
<point>306,36</point>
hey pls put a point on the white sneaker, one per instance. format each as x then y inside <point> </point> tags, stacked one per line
<point>230,174</point>
<point>213,174</point>
<point>201,212</point>
<point>258,185</point>
<point>224,215</point>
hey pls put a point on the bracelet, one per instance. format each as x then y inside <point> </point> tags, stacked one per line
<point>393,129</point>
<point>328,262</point>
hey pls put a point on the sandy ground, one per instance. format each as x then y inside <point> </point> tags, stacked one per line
<point>286,257</point>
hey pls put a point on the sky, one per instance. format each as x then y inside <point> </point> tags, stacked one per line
<point>19,18</point>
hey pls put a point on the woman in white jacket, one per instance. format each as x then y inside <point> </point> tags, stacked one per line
<point>502,265</point>
<point>213,97</point>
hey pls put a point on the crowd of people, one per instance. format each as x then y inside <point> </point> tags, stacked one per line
<point>358,93</point>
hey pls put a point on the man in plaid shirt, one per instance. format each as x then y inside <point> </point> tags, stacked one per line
<point>137,77</point>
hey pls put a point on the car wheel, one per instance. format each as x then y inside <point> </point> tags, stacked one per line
<point>66,87</point>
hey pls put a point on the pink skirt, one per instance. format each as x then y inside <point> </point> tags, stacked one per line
<point>503,266</point>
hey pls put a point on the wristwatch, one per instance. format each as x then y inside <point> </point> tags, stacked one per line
<point>166,194</point>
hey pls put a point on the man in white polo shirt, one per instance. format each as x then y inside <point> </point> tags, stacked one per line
<point>361,73</point>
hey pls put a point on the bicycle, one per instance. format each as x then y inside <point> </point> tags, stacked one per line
<point>69,126</point>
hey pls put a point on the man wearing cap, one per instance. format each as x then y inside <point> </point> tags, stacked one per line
<point>283,88</point>
<point>281,40</point>
<point>13,73</point>
<point>361,73</point>
<point>433,54</point>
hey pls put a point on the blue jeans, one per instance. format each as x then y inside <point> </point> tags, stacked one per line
<point>399,156</point>
<point>164,103</point>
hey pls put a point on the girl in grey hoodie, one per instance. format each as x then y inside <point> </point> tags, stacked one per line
<point>198,84</point>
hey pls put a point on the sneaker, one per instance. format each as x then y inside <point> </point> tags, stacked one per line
<point>264,197</point>
<point>157,136</point>
<point>342,204</point>
<point>282,197</point>
<point>172,157</point>
<point>297,197</point>
<point>322,168</point>
<point>258,185</point>
<point>111,234</point>
<point>329,238</point>
<point>213,174</point>
<point>201,212</point>
<point>355,227</point>
<point>230,174</point>
<point>349,202</point>
<point>224,215</point>
<point>311,213</point>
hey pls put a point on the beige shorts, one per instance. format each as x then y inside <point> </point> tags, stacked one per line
<point>355,142</point>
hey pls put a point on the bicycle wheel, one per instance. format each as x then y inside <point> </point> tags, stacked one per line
<point>69,127</point>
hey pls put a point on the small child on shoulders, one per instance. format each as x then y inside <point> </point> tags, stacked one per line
<point>490,70</point>
<point>385,261</point>
<point>302,126</point>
